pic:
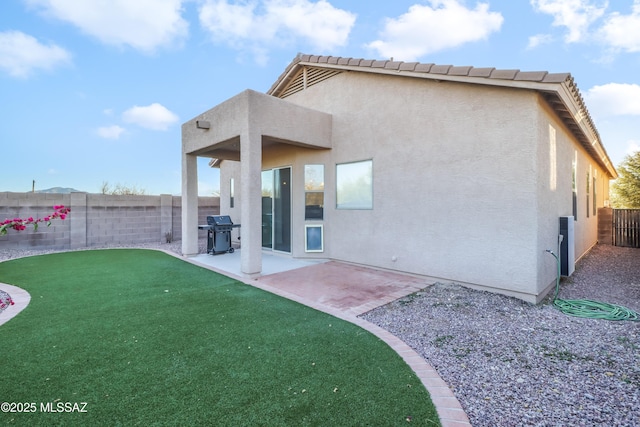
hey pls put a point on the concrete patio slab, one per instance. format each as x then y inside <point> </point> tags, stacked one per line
<point>349,288</point>
<point>229,263</point>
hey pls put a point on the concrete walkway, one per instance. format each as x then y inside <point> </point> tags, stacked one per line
<point>347,291</point>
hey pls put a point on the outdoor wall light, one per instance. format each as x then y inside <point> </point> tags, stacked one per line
<point>203,124</point>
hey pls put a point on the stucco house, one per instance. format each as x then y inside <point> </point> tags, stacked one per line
<point>453,173</point>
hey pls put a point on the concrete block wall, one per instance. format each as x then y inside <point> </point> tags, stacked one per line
<point>36,205</point>
<point>206,206</point>
<point>176,218</point>
<point>78,222</point>
<point>97,219</point>
<point>166,217</point>
<point>122,219</point>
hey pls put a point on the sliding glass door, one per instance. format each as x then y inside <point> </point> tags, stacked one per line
<point>276,209</point>
<point>267,209</point>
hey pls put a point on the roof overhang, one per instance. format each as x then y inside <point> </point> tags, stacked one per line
<point>218,132</point>
<point>558,89</point>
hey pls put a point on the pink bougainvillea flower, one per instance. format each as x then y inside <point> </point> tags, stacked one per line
<point>19,224</point>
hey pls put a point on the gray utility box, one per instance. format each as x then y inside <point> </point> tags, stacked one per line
<point>567,246</point>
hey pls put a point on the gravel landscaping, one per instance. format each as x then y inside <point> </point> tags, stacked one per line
<point>175,246</point>
<point>511,363</point>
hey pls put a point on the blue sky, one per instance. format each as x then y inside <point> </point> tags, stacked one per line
<point>95,91</point>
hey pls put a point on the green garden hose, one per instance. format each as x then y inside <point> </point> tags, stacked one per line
<point>587,308</point>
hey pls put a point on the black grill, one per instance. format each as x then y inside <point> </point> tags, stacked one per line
<point>219,234</point>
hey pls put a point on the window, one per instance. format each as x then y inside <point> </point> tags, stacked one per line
<point>354,185</point>
<point>231,193</point>
<point>595,206</point>
<point>588,191</point>
<point>314,192</point>
<point>553,159</point>
<point>574,187</point>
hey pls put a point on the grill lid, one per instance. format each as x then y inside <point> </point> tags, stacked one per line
<point>219,220</point>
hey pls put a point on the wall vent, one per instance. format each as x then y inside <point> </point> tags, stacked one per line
<point>306,77</point>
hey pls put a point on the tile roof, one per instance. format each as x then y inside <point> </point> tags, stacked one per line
<point>427,68</point>
<point>559,89</point>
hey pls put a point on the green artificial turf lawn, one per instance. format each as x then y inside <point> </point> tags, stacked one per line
<point>147,339</point>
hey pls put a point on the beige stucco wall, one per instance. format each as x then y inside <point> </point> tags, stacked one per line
<point>461,178</point>
<point>555,169</point>
<point>454,182</point>
<point>276,157</point>
<point>440,202</point>
<point>231,169</point>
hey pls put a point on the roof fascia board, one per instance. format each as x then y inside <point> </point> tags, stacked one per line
<point>285,78</point>
<point>565,93</point>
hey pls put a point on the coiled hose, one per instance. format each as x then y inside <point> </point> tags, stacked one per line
<point>587,308</point>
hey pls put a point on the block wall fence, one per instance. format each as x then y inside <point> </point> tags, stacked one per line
<point>98,219</point>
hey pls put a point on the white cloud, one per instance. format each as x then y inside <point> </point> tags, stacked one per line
<point>142,24</point>
<point>110,132</point>
<point>623,31</point>
<point>208,189</point>
<point>154,116</point>
<point>614,99</point>
<point>427,29</point>
<point>22,54</point>
<point>322,24</point>
<point>539,39</point>
<point>575,15</point>
<point>231,21</point>
<point>257,26</point>
<point>633,146</point>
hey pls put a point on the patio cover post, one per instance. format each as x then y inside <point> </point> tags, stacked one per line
<point>251,200</point>
<point>189,204</point>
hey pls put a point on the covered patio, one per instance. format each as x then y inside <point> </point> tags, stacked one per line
<point>240,129</point>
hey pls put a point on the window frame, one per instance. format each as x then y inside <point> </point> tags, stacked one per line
<point>309,227</point>
<point>368,198</point>
<point>318,189</point>
<point>588,192</point>
<point>574,185</point>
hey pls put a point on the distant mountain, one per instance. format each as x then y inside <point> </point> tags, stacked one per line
<point>58,190</point>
